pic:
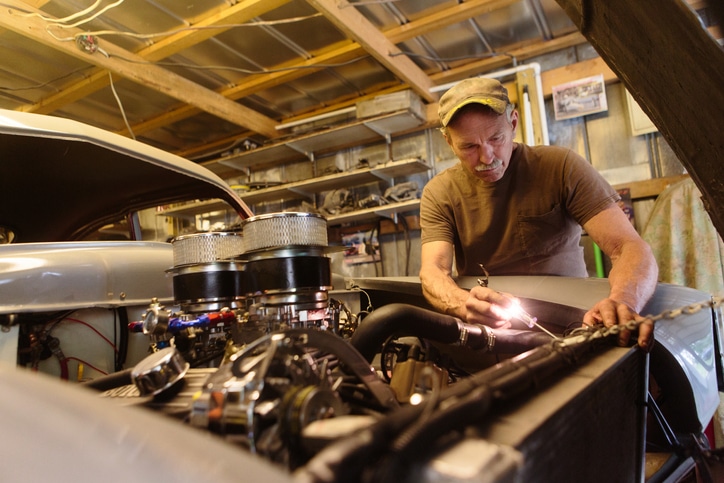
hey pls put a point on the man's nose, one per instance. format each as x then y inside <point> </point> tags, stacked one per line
<point>487,155</point>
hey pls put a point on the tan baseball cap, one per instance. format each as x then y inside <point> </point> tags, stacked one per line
<point>477,90</point>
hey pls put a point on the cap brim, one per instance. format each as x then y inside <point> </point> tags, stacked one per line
<point>496,105</point>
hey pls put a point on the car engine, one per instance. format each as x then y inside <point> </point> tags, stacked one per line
<point>255,350</point>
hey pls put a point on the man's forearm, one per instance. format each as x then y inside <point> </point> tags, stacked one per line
<point>633,276</point>
<point>445,295</point>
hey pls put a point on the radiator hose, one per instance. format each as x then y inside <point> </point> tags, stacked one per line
<point>408,320</point>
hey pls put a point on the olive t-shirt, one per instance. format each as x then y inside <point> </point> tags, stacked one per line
<point>527,223</point>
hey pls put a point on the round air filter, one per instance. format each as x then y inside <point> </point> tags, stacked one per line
<point>206,276</point>
<point>284,229</point>
<point>206,247</point>
<point>286,265</point>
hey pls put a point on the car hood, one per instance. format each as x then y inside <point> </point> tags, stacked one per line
<point>61,179</point>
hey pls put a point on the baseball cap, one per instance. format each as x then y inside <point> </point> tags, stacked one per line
<point>476,90</point>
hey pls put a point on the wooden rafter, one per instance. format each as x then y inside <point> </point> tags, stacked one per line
<point>150,76</point>
<point>356,26</point>
<point>350,50</point>
<point>674,70</point>
<point>97,79</point>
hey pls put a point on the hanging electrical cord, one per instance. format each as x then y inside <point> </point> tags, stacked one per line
<point>257,23</point>
<point>92,17</point>
<point>120,106</point>
<point>72,17</point>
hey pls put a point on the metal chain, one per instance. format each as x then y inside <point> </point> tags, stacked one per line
<point>603,332</point>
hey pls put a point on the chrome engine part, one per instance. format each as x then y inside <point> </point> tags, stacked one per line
<point>233,287</point>
<point>289,276</point>
<point>271,390</point>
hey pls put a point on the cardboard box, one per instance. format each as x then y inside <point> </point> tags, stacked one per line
<point>398,101</point>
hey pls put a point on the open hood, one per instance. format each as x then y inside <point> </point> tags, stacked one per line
<point>61,179</point>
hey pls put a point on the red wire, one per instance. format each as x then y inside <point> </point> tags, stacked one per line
<point>87,364</point>
<point>115,349</point>
<point>64,373</point>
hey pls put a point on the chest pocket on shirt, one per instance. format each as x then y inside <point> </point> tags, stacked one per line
<point>543,234</point>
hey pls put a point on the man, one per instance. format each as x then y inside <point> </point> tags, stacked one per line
<point>518,210</point>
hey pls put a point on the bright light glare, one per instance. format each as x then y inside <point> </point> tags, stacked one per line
<point>515,311</point>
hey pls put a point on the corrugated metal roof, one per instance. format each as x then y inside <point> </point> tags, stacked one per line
<point>196,76</point>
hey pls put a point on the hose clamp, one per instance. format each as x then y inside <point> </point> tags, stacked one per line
<point>463,340</point>
<point>491,338</point>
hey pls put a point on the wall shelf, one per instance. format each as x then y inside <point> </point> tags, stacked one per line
<point>308,188</point>
<point>189,210</point>
<point>307,146</point>
<point>384,211</point>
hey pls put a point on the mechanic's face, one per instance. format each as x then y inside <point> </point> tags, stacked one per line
<point>483,141</point>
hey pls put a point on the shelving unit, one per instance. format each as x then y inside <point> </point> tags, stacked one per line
<point>309,187</point>
<point>310,145</point>
<point>373,126</point>
<point>384,211</point>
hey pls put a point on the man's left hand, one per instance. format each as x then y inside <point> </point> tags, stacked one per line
<point>610,312</point>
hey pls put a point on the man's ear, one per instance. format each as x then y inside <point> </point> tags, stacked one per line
<point>446,135</point>
<point>514,120</point>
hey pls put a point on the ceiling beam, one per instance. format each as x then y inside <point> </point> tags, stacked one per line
<point>149,75</point>
<point>238,13</point>
<point>349,50</point>
<point>345,51</point>
<point>674,70</point>
<point>353,24</point>
<point>288,72</point>
<point>525,52</point>
<point>444,18</point>
<point>257,83</point>
<point>241,12</point>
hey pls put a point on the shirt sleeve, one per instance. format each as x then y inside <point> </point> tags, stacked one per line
<point>587,191</point>
<point>436,215</point>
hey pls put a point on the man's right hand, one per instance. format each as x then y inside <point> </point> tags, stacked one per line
<point>485,306</point>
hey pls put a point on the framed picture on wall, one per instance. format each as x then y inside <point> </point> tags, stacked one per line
<point>638,121</point>
<point>580,97</point>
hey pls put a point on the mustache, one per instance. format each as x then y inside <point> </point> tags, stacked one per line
<point>497,162</point>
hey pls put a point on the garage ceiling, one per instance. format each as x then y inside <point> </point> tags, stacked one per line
<point>198,77</point>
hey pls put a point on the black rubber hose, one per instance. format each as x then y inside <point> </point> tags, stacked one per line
<point>409,320</point>
<point>361,456</point>
<point>354,458</point>
<point>417,440</point>
<point>111,381</point>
